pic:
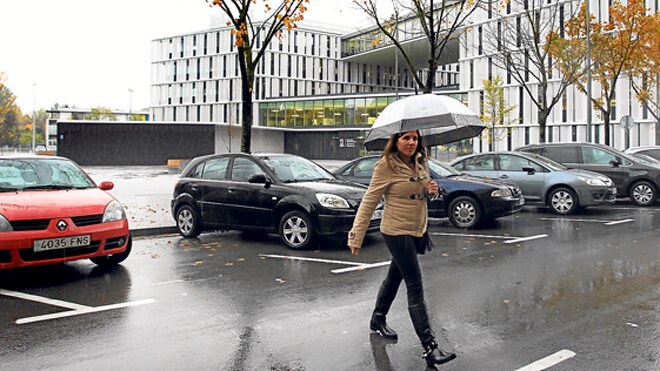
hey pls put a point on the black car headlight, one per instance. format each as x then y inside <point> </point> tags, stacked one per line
<point>502,192</point>
<point>332,201</point>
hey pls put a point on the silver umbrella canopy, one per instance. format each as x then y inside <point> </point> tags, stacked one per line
<point>440,119</point>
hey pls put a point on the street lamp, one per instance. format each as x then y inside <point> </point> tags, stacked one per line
<point>34,117</point>
<point>130,102</point>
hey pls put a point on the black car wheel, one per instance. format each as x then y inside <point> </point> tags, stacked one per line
<point>114,259</point>
<point>188,222</point>
<point>464,212</point>
<point>296,230</point>
<point>642,193</point>
<point>563,201</point>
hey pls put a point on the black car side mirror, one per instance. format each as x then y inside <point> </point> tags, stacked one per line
<point>616,162</point>
<point>530,170</point>
<point>259,178</point>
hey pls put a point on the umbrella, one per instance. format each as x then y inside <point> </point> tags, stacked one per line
<point>440,119</point>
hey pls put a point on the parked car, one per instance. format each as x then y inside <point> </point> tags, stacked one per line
<point>541,179</point>
<point>634,178</point>
<point>651,151</point>
<point>51,211</point>
<point>465,200</point>
<point>272,193</point>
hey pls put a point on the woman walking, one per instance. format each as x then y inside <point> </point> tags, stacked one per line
<point>402,177</point>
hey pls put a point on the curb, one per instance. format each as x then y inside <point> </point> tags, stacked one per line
<point>148,232</point>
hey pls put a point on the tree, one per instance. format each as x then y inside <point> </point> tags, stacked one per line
<point>645,79</point>
<point>522,46</point>
<point>10,116</point>
<point>622,44</point>
<point>438,24</point>
<point>495,110</point>
<point>101,113</point>
<point>285,15</point>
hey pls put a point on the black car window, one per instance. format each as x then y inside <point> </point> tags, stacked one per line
<point>365,168</point>
<point>655,153</point>
<point>593,155</point>
<point>243,169</point>
<point>564,154</point>
<point>216,169</point>
<point>478,163</point>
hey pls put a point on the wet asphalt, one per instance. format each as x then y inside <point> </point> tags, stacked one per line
<point>502,296</point>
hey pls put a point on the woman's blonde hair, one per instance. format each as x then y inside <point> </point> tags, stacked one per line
<point>390,148</point>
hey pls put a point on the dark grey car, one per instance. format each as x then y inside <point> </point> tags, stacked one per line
<point>634,177</point>
<point>542,179</point>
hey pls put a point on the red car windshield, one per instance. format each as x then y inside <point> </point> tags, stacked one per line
<point>20,174</point>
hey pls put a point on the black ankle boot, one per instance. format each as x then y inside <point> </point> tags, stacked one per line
<point>436,356</point>
<point>379,325</point>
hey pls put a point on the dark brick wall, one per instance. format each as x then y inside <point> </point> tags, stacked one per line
<point>132,143</point>
<point>337,145</point>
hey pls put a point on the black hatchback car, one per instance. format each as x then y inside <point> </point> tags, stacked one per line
<point>272,193</point>
<point>466,200</point>
<point>633,177</point>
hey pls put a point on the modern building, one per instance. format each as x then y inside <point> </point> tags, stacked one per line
<point>320,88</point>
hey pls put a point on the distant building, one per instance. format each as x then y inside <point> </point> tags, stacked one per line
<point>66,114</point>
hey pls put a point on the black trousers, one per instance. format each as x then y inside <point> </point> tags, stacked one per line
<point>405,267</point>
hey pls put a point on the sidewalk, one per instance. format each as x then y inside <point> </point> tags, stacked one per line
<point>146,193</point>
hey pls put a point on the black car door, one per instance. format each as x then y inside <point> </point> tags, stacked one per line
<point>249,204</point>
<point>213,184</point>
<point>607,163</point>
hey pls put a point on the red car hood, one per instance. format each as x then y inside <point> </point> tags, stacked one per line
<point>53,204</point>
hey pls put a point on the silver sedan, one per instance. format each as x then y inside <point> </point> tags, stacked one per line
<point>542,179</point>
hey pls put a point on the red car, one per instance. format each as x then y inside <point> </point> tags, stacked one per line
<point>51,211</point>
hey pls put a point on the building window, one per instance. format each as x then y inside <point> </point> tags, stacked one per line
<point>194,92</point>
<point>490,69</point>
<point>206,43</point>
<point>204,92</point>
<point>480,50</point>
<point>471,74</point>
<point>561,20</point>
<point>174,71</point>
<point>217,42</point>
<point>224,66</point>
<point>518,31</point>
<point>564,106</point>
<point>211,68</point>
<point>188,70</point>
<point>181,48</point>
<point>521,106</point>
<point>526,136</point>
<point>199,68</point>
<point>194,45</point>
<point>170,51</point>
<point>574,133</point>
<point>217,91</point>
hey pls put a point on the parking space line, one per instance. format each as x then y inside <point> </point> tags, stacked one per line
<point>360,267</point>
<point>317,260</point>
<point>78,312</point>
<point>509,239</point>
<point>620,221</point>
<point>355,266</point>
<point>522,239</point>
<point>606,222</point>
<point>43,300</point>
<point>549,361</point>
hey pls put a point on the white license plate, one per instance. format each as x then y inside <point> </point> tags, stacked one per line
<point>614,191</point>
<point>61,243</point>
<point>521,201</point>
<point>378,214</point>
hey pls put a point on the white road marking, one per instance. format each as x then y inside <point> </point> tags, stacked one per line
<point>549,361</point>
<point>43,300</point>
<point>620,221</point>
<point>78,312</point>
<point>470,235</point>
<point>360,267</point>
<point>521,239</point>
<point>355,266</point>
<point>167,282</point>
<point>606,222</point>
<point>288,257</point>
<point>510,239</point>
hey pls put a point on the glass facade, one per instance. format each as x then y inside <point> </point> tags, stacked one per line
<point>327,111</point>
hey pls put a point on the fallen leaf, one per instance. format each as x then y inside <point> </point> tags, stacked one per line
<point>198,262</point>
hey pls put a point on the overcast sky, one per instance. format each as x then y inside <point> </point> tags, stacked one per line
<point>90,53</point>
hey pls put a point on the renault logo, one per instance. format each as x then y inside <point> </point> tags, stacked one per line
<point>61,225</point>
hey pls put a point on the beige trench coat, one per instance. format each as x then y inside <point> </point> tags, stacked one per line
<point>404,190</point>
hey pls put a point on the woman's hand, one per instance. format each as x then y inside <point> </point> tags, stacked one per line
<point>354,250</point>
<point>432,187</point>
